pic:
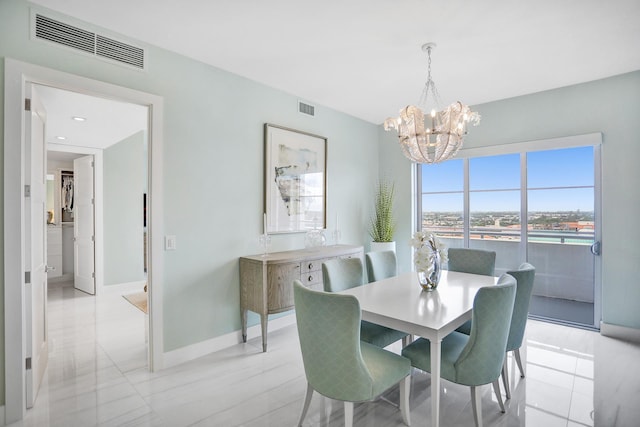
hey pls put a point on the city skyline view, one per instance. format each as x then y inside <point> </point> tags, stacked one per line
<point>551,227</point>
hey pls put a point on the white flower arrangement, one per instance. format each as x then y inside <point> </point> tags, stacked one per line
<point>425,244</point>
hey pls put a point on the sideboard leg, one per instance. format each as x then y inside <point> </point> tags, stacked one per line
<point>263,322</point>
<point>244,325</point>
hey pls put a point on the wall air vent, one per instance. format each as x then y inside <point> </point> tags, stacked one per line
<point>307,109</point>
<point>119,51</point>
<point>87,41</point>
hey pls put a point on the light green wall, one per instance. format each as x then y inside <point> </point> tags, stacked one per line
<point>610,106</point>
<point>396,167</point>
<point>124,183</point>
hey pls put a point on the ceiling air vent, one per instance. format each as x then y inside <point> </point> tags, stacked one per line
<point>87,41</point>
<point>307,109</point>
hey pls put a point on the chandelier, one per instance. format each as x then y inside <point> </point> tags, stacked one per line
<point>433,137</point>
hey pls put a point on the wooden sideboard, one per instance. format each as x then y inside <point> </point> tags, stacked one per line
<point>266,281</point>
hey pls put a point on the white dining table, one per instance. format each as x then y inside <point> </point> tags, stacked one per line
<point>400,303</point>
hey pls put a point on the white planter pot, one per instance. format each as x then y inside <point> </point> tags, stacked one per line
<point>383,246</point>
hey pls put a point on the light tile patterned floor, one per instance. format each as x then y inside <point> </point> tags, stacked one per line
<point>97,376</point>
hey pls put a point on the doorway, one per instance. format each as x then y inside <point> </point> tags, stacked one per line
<point>18,76</point>
<point>63,219</point>
<point>97,157</point>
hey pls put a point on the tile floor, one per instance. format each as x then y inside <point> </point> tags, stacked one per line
<point>97,376</point>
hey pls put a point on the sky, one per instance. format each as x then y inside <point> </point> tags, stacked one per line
<point>549,173</point>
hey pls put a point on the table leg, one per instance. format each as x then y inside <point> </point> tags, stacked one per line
<point>435,381</point>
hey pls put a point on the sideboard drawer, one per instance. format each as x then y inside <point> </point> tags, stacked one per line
<point>312,265</point>
<point>312,278</point>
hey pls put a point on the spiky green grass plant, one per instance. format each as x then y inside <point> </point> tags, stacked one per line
<point>383,225</point>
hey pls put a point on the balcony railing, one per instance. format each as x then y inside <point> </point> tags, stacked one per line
<point>563,259</point>
<point>584,237</point>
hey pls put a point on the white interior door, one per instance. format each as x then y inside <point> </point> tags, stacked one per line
<point>84,229</point>
<point>35,247</point>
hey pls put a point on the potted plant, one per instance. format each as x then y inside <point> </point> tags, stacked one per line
<point>383,225</point>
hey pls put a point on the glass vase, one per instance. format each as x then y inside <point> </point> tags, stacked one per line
<point>430,277</point>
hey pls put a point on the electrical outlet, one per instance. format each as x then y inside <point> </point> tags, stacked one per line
<point>169,243</point>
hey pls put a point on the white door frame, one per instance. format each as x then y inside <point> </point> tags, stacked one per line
<point>17,74</point>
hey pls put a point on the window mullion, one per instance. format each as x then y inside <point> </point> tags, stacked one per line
<point>524,209</point>
<point>418,171</point>
<point>466,210</point>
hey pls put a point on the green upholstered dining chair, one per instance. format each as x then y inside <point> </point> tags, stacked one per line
<point>524,275</point>
<point>345,273</point>
<point>381,265</point>
<point>474,359</point>
<point>340,274</point>
<point>337,363</point>
<point>474,261</point>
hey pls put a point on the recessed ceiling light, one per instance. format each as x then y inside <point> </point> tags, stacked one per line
<point>78,118</point>
<point>61,138</point>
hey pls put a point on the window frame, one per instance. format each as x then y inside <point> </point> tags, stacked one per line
<point>522,148</point>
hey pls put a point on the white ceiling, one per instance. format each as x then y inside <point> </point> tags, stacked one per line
<point>363,57</point>
<point>106,121</point>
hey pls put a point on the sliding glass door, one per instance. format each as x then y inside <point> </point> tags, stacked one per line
<point>539,206</point>
<point>561,233</point>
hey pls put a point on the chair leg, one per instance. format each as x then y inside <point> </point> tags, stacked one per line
<point>476,406</point>
<point>348,414</point>
<point>516,353</point>
<point>405,389</point>
<point>307,401</point>
<point>496,390</point>
<point>505,378</point>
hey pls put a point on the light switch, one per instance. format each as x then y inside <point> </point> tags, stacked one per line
<point>169,243</point>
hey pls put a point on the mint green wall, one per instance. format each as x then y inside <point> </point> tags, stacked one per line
<point>213,170</point>
<point>610,106</point>
<point>396,167</point>
<point>124,183</point>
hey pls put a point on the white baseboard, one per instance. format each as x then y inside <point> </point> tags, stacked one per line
<point>121,287</point>
<point>620,332</point>
<point>194,351</point>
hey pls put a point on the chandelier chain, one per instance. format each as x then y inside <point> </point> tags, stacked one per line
<point>429,86</point>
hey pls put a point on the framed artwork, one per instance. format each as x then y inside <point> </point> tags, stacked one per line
<point>295,180</point>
